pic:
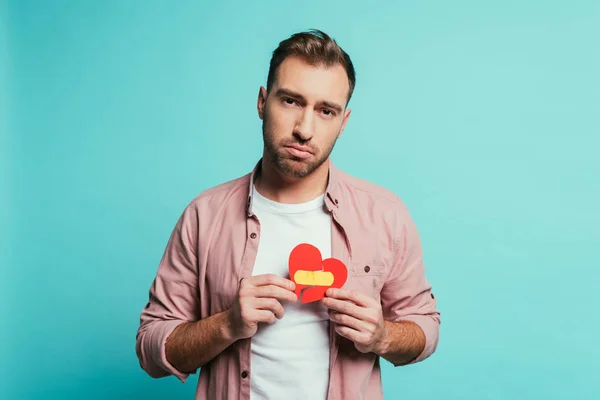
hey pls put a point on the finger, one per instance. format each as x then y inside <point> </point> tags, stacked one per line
<point>274,292</point>
<point>272,305</point>
<point>349,321</point>
<point>346,307</point>
<point>349,333</point>
<point>356,297</point>
<point>272,279</point>
<point>264,316</point>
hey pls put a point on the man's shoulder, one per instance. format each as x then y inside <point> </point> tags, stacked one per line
<point>375,193</point>
<point>220,193</point>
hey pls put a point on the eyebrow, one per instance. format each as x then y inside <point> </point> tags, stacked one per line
<point>291,93</point>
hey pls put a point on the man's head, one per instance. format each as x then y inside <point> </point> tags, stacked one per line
<point>304,107</point>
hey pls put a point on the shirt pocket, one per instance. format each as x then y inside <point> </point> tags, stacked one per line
<point>366,277</point>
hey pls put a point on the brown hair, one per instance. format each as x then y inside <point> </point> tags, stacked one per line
<point>316,48</point>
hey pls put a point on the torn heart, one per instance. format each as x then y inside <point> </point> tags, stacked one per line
<point>309,271</point>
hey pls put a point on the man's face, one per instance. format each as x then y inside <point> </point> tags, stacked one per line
<point>303,115</point>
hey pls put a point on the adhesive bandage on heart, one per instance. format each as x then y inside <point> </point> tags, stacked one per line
<point>313,275</point>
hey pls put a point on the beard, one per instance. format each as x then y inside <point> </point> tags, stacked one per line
<point>284,162</point>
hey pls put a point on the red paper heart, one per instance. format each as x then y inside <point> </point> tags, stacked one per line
<point>305,259</point>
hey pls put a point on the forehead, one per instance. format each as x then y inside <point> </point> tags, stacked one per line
<point>315,82</point>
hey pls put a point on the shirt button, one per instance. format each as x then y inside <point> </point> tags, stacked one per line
<point>253,235</point>
<point>244,374</point>
<point>367,268</point>
<point>336,201</point>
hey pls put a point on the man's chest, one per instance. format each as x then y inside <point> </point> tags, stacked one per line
<point>264,244</point>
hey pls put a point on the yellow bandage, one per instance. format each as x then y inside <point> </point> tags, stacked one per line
<point>313,278</point>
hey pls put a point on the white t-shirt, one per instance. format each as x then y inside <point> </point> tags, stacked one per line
<point>290,358</point>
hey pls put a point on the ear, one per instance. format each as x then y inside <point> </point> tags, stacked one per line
<point>260,103</point>
<point>345,121</point>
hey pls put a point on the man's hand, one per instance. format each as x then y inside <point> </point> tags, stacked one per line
<point>259,300</point>
<point>358,318</point>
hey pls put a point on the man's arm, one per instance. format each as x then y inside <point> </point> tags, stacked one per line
<point>172,338</point>
<point>259,298</point>
<point>402,342</point>
<point>407,299</point>
<point>173,299</point>
<point>193,344</point>
<point>404,327</point>
<point>359,318</point>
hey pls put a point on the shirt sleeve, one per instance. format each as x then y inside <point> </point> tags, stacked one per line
<point>407,294</point>
<point>173,298</point>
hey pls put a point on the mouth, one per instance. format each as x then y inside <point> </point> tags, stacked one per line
<point>298,151</point>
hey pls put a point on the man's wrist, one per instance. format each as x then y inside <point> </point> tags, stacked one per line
<point>383,346</point>
<point>227,326</point>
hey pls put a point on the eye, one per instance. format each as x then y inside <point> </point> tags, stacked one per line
<point>327,112</point>
<point>289,101</point>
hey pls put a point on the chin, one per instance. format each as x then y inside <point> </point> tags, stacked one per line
<point>295,168</point>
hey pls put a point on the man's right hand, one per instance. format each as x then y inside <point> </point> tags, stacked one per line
<point>259,300</point>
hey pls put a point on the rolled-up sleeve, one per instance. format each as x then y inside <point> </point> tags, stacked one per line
<point>173,298</point>
<point>407,294</point>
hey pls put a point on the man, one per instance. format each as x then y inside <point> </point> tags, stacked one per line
<point>223,299</point>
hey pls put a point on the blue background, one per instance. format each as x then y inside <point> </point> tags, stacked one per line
<point>483,116</point>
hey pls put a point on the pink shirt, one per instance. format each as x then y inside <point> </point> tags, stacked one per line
<point>214,245</point>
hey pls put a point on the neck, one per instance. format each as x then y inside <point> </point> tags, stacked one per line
<point>282,189</point>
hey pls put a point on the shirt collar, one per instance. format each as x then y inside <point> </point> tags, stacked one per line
<point>332,192</point>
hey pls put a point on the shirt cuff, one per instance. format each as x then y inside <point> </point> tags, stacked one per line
<point>158,340</point>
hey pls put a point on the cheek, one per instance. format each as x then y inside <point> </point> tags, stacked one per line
<point>328,132</point>
<point>280,123</point>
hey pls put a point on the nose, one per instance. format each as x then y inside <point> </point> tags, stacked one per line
<point>304,128</point>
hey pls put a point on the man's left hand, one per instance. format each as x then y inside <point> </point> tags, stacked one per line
<point>357,317</point>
